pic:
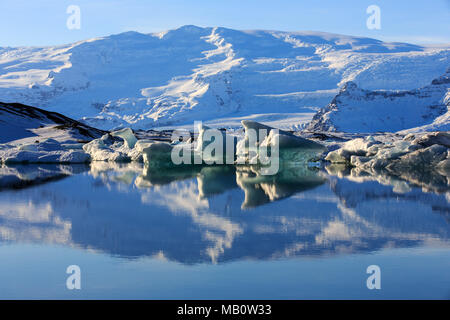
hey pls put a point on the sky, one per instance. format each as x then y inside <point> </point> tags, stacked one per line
<point>44,22</point>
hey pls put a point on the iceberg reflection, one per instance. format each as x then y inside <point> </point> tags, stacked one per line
<point>219,214</point>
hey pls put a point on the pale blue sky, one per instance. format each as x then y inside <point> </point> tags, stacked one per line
<point>43,22</point>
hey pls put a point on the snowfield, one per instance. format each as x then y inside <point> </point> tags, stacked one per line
<point>20,122</point>
<point>33,135</point>
<point>172,78</point>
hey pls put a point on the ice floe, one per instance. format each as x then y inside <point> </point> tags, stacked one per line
<point>420,158</point>
<point>47,151</point>
<point>212,146</point>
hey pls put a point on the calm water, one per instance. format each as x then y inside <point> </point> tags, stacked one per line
<point>210,233</point>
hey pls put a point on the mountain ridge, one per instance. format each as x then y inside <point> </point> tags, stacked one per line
<point>20,121</point>
<point>193,73</point>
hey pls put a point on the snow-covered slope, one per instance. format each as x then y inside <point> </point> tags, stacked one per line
<point>358,110</point>
<point>22,122</point>
<point>193,73</point>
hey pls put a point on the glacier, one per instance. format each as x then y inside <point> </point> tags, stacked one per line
<point>192,73</point>
<point>357,110</point>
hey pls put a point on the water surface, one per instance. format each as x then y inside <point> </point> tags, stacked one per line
<point>219,232</point>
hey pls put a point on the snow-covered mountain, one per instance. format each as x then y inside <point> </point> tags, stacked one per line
<point>193,73</point>
<point>357,110</point>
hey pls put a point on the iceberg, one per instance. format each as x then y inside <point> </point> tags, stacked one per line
<point>47,151</point>
<point>208,139</point>
<point>127,135</point>
<point>158,154</point>
<point>107,149</point>
<point>276,144</point>
<point>213,146</point>
<point>285,139</point>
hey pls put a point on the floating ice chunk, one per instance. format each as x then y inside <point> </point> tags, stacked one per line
<point>14,155</point>
<point>359,146</point>
<point>260,140</point>
<point>72,146</point>
<point>158,154</point>
<point>142,144</point>
<point>372,150</point>
<point>34,155</point>
<point>74,156</point>
<point>201,143</point>
<point>369,153</point>
<point>421,159</point>
<point>285,139</point>
<point>395,150</point>
<point>64,157</point>
<point>102,143</point>
<point>127,135</point>
<point>95,145</point>
<point>110,155</point>
<point>28,147</point>
<point>358,160</point>
<point>444,165</point>
<point>442,138</point>
<point>136,154</point>
<point>336,156</point>
<point>215,146</point>
<point>105,149</point>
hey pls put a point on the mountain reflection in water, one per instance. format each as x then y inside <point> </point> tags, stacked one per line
<point>216,214</point>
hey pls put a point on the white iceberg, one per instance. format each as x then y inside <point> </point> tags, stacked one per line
<point>274,142</point>
<point>127,135</point>
<point>47,151</point>
<point>106,149</point>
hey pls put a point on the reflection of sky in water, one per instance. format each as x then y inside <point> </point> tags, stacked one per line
<point>207,223</point>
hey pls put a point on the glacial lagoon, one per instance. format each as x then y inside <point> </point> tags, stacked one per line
<point>220,233</point>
